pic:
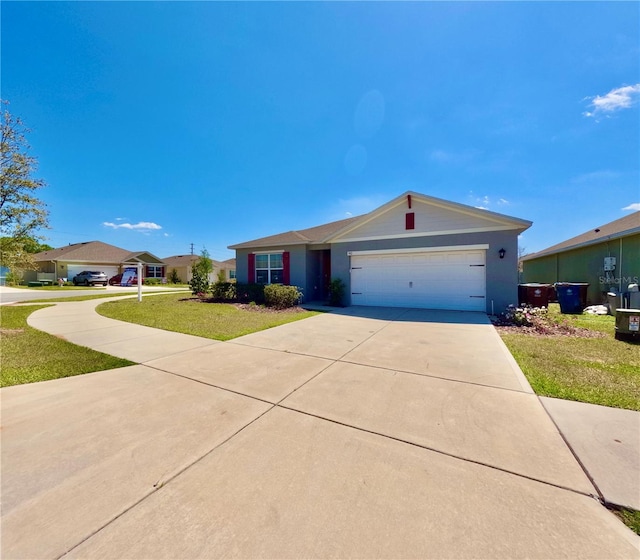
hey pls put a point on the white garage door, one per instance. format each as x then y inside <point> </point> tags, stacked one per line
<point>73,269</point>
<point>430,279</point>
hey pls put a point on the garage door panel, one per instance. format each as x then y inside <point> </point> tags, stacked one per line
<point>74,269</point>
<point>435,280</point>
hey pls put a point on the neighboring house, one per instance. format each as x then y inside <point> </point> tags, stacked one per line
<point>414,251</point>
<point>606,257</point>
<point>66,262</point>
<point>183,263</point>
<point>230,265</point>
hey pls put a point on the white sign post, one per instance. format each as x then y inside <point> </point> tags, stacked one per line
<point>139,282</point>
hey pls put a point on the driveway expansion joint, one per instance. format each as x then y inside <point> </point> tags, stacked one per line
<point>445,453</point>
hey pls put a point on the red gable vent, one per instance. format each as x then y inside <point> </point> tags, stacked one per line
<point>410,220</point>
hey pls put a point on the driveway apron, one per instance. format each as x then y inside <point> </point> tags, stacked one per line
<point>367,433</point>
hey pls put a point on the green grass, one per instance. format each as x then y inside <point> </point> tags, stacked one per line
<point>600,371</point>
<point>56,288</point>
<point>630,518</point>
<point>96,296</point>
<point>180,313</point>
<point>30,355</point>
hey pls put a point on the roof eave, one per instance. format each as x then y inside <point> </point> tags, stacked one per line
<point>603,239</point>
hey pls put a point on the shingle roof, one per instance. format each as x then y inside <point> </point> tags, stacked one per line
<point>298,237</point>
<point>89,251</point>
<point>622,227</point>
<point>180,260</point>
<point>188,260</point>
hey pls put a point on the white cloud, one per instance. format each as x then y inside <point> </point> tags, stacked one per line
<point>485,202</point>
<point>140,226</point>
<point>620,98</point>
<point>635,206</point>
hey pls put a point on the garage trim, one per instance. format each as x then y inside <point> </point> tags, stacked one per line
<point>421,249</point>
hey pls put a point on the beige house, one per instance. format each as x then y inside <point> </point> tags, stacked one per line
<point>182,265</point>
<point>66,262</point>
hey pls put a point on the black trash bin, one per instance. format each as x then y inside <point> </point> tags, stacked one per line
<point>536,295</point>
<point>572,296</point>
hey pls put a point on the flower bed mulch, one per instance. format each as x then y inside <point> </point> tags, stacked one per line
<point>550,330</point>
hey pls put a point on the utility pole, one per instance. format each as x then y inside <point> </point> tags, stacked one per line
<point>192,248</point>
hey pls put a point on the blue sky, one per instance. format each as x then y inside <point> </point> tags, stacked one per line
<point>158,124</point>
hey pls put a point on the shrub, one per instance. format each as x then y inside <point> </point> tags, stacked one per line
<point>246,293</point>
<point>336,292</point>
<point>200,271</point>
<point>152,281</point>
<point>173,277</point>
<point>224,291</point>
<point>279,296</point>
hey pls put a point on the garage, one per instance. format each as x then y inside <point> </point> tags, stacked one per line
<point>73,269</point>
<point>432,278</point>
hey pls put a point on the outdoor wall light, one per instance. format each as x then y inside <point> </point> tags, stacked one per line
<point>501,252</point>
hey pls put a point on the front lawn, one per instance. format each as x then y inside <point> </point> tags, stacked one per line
<point>95,296</point>
<point>30,355</point>
<point>594,369</point>
<point>185,314</point>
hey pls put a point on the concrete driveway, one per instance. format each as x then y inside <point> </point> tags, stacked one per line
<point>369,433</point>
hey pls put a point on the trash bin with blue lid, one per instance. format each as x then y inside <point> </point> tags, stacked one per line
<point>572,296</point>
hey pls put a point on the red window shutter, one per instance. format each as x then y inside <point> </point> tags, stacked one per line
<point>162,271</point>
<point>286,269</point>
<point>410,220</point>
<point>252,269</point>
<point>146,272</point>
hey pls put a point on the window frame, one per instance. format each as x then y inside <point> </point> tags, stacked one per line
<point>155,268</point>
<point>269,269</point>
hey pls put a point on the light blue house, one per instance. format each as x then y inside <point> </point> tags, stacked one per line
<point>414,251</point>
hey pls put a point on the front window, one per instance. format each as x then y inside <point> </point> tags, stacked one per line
<point>269,269</point>
<point>154,271</point>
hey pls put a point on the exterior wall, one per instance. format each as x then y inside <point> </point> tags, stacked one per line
<point>298,265</point>
<point>586,264</point>
<point>502,274</point>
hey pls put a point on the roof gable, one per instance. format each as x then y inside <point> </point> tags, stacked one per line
<point>627,225</point>
<point>431,216</point>
<point>143,257</point>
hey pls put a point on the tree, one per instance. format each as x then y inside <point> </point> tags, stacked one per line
<point>200,271</point>
<point>22,214</point>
